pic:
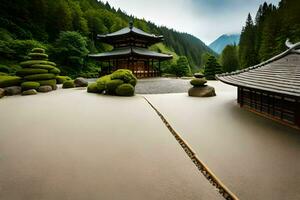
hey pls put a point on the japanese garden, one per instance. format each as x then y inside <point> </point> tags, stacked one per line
<point>127,100</point>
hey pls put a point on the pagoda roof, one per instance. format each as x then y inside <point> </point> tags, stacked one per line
<point>131,51</point>
<point>280,74</point>
<point>130,33</point>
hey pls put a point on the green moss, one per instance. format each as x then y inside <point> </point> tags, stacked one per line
<point>30,85</point>
<point>38,50</point>
<point>62,79</point>
<point>40,66</point>
<point>112,85</point>
<point>3,74</point>
<point>198,82</point>
<point>92,88</point>
<point>7,81</point>
<point>125,90</point>
<point>101,82</point>
<point>55,71</point>
<point>29,63</point>
<point>30,71</point>
<point>68,84</point>
<point>38,56</point>
<point>39,77</point>
<point>51,82</point>
<point>125,75</point>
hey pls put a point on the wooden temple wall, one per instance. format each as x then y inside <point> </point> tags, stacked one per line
<point>279,107</point>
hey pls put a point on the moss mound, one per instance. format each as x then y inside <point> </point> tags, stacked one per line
<point>39,70</point>
<point>62,79</point>
<point>124,75</point>
<point>112,85</point>
<point>68,84</point>
<point>198,82</point>
<point>30,85</point>
<point>101,82</point>
<point>8,81</point>
<point>30,71</point>
<point>125,90</point>
<point>3,74</point>
<point>92,88</point>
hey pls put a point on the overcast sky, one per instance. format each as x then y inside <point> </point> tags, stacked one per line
<point>206,19</point>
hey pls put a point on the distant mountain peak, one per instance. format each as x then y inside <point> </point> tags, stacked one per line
<point>221,42</point>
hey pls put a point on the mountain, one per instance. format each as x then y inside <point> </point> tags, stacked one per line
<point>219,44</point>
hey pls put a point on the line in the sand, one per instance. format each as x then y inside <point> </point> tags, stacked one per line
<point>208,174</point>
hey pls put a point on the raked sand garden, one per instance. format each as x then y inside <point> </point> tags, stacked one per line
<point>70,144</point>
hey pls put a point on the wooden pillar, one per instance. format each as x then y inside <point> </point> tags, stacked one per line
<point>297,113</point>
<point>159,72</point>
<point>152,74</point>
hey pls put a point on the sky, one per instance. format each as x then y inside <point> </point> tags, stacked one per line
<point>205,19</point>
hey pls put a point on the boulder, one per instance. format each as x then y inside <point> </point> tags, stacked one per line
<point>81,82</point>
<point>29,92</point>
<point>45,88</point>
<point>2,93</point>
<point>198,75</point>
<point>206,91</point>
<point>13,90</point>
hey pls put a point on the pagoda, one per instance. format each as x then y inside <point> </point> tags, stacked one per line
<point>130,51</point>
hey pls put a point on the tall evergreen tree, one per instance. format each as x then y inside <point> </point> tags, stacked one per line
<point>212,68</point>
<point>229,58</point>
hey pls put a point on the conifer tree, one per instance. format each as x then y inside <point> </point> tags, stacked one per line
<point>212,68</point>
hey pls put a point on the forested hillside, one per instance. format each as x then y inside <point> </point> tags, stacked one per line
<point>265,36</point>
<point>68,30</point>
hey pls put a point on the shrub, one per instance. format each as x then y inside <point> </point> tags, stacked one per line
<point>7,81</point>
<point>30,85</point>
<point>125,90</point>
<point>4,68</point>
<point>39,77</point>
<point>3,74</point>
<point>125,75</point>
<point>92,88</point>
<point>30,71</point>
<point>62,79</point>
<point>30,63</point>
<point>38,56</point>
<point>68,84</point>
<point>51,82</point>
<point>198,82</point>
<point>112,85</point>
<point>55,71</point>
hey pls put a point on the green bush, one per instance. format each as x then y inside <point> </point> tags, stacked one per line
<point>51,82</point>
<point>125,75</point>
<point>30,71</point>
<point>3,74</point>
<point>7,81</point>
<point>62,79</point>
<point>125,90</point>
<point>92,88</point>
<point>39,77</point>
<point>4,68</point>
<point>68,84</point>
<point>55,71</point>
<point>30,85</point>
<point>30,63</point>
<point>112,85</point>
<point>198,82</point>
<point>38,50</point>
<point>38,56</point>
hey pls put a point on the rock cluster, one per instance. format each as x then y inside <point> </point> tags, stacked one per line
<point>200,89</point>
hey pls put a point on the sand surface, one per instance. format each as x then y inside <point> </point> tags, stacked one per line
<point>255,157</point>
<point>71,145</point>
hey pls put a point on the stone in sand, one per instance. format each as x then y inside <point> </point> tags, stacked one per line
<point>29,92</point>
<point>13,90</point>
<point>206,91</point>
<point>45,88</point>
<point>2,92</point>
<point>81,82</point>
<point>198,75</point>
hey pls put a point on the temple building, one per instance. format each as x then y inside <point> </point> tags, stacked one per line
<point>130,51</point>
<point>272,88</point>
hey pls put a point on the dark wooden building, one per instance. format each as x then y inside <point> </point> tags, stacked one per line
<point>271,88</point>
<point>130,51</point>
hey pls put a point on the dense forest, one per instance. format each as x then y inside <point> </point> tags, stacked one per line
<point>265,36</point>
<point>67,29</point>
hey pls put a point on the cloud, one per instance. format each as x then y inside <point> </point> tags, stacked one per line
<point>206,19</point>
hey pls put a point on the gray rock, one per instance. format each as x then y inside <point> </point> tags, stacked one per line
<point>45,88</point>
<point>206,91</point>
<point>81,82</point>
<point>29,92</point>
<point>198,75</point>
<point>2,93</point>
<point>13,90</point>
